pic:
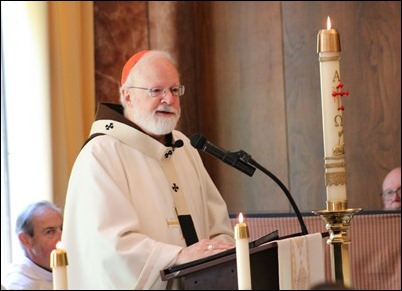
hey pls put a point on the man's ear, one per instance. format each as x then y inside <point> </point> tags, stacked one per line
<point>127,98</point>
<point>24,239</point>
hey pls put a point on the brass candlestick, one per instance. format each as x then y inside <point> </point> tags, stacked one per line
<point>338,217</point>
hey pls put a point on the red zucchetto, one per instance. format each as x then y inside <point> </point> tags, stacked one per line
<point>130,64</point>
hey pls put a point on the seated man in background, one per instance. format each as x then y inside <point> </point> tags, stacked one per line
<point>391,190</point>
<point>38,228</point>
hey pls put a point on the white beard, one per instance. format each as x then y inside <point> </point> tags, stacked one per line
<point>154,124</point>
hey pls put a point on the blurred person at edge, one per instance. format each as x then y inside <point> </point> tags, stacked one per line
<point>391,190</point>
<point>38,228</point>
<point>133,181</point>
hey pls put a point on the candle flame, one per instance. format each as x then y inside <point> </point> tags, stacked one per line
<point>241,217</point>
<point>328,23</point>
<point>59,245</point>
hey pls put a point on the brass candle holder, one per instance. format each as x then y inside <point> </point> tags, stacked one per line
<point>58,263</point>
<point>338,217</point>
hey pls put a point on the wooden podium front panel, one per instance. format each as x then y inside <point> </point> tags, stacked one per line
<point>221,274</point>
<point>218,277</point>
<point>265,270</point>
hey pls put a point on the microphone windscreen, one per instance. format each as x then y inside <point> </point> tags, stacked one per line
<point>198,141</point>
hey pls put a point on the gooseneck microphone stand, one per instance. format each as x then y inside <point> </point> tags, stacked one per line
<point>242,155</point>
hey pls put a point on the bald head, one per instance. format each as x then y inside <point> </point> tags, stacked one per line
<point>391,188</point>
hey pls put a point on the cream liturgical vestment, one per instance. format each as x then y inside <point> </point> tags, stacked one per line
<point>26,275</point>
<point>120,221</point>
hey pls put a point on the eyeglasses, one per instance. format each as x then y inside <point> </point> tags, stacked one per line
<point>157,91</point>
<point>387,194</point>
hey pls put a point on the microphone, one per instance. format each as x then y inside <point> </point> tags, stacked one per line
<point>233,159</point>
<point>178,144</point>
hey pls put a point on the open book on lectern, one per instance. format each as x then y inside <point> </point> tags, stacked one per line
<point>262,240</point>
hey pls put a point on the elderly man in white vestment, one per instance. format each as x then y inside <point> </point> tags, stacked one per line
<point>133,180</point>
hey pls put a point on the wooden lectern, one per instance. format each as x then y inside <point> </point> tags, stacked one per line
<point>220,272</point>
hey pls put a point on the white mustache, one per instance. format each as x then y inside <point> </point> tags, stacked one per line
<point>166,108</point>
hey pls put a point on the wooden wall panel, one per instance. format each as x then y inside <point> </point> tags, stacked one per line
<point>172,29</point>
<point>121,29</point>
<point>373,71</point>
<point>303,103</point>
<point>370,57</point>
<point>242,105</point>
